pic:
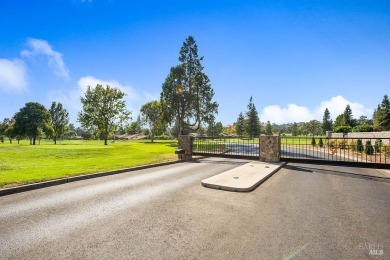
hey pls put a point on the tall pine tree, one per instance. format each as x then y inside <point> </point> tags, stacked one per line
<point>326,122</point>
<point>382,115</point>
<point>348,117</point>
<point>253,121</point>
<point>345,119</point>
<point>187,94</point>
<point>268,128</point>
<point>240,125</point>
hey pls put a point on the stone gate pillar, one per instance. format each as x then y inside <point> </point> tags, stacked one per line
<point>269,148</point>
<point>185,142</point>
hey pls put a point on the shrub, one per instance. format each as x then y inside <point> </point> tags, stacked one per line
<point>331,143</point>
<point>320,143</point>
<point>343,129</point>
<point>352,145</point>
<point>359,145</point>
<point>342,144</point>
<point>369,149</point>
<point>363,128</point>
<point>313,142</point>
<point>385,149</point>
<point>378,145</point>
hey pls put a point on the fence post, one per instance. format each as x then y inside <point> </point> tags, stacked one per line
<point>269,148</point>
<point>185,143</point>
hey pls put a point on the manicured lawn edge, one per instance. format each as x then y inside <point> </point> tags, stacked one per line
<point>44,184</point>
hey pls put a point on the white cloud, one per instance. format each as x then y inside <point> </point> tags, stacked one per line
<point>151,97</point>
<point>12,75</point>
<point>84,82</point>
<point>55,61</point>
<point>279,115</point>
<point>294,113</point>
<point>71,99</point>
<point>336,106</point>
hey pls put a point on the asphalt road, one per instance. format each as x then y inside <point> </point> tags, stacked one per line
<point>303,211</point>
<point>243,149</point>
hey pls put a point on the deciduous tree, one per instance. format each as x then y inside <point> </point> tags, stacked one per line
<point>152,113</point>
<point>59,120</point>
<point>133,128</point>
<point>7,129</point>
<point>32,120</point>
<point>313,127</point>
<point>10,129</point>
<point>215,129</point>
<point>363,120</point>
<point>102,108</point>
<point>2,129</point>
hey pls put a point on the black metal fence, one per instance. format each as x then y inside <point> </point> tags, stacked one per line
<point>372,152</point>
<point>231,147</point>
<point>364,152</point>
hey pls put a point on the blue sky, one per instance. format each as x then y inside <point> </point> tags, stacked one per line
<point>294,57</point>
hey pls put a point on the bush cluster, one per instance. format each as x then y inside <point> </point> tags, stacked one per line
<point>359,145</point>
<point>369,149</point>
<point>378,145</point>
<point>320,143</point>
<point>343,129</point>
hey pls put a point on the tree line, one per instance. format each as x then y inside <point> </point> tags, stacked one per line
<point>344,123</point>
<point>186,104</point>
<point>35,121</point>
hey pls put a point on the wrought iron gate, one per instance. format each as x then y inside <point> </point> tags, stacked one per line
<point>229,147</point>
<point>363,152</point>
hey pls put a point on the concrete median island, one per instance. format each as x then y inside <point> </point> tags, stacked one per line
<point>243,178</point>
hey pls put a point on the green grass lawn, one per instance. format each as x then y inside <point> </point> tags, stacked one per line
<point>210,147</point>
<point>23,163</point>
<point>300,140</point>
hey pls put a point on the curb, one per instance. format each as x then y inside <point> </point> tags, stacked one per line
<point>45,184</point>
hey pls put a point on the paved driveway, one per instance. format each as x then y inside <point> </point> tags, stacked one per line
<point>312,212</point>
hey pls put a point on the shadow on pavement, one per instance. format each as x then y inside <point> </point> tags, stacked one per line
<point>337,172</point>
<point>296,168</point>
<point>219,161</point>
